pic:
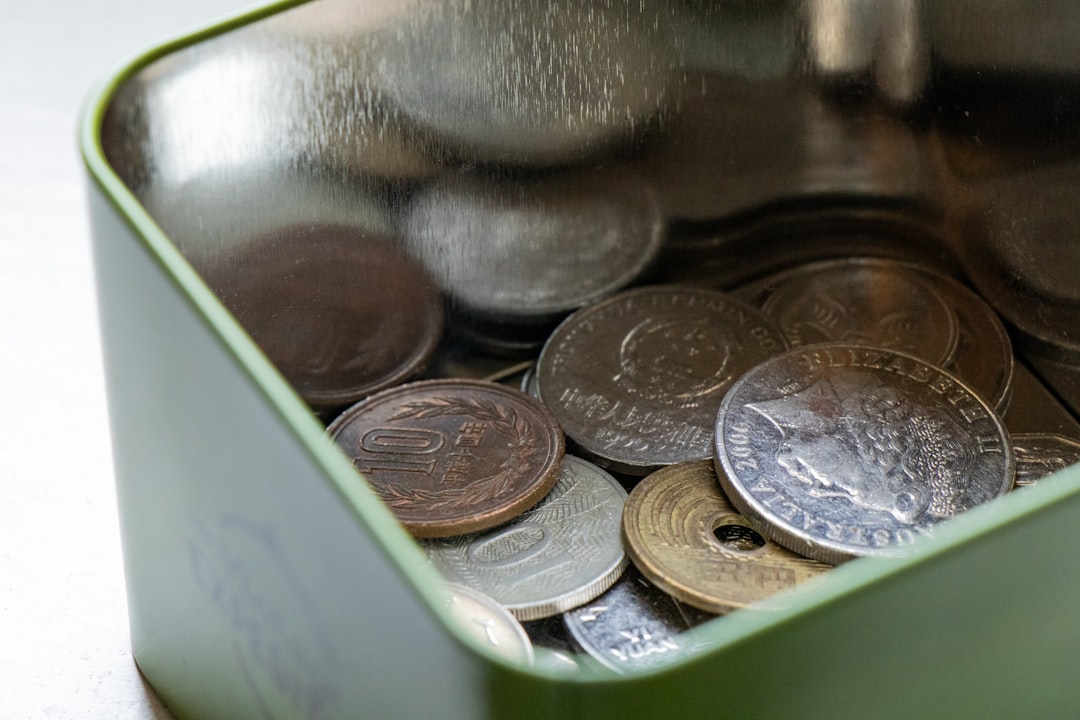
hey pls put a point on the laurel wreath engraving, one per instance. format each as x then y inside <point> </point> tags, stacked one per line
<point>506,421</point>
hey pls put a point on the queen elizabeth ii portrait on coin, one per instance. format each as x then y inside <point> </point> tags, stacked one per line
<point>852,437</point>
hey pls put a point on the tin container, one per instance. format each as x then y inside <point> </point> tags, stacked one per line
<point>265,581</point>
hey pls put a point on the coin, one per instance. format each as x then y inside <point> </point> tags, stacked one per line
<point>528,382</point>
<point>636,380</point>
<point>634,625</point>
<point>1033,408</point>
<point>530,250</point>
<point>682,533</point>
<point>488,622</point>
<point>556,79</point>
<point>873,303</point>
<point>1040,454</point>
<point>342,314</point>
<point>984,355</point>
<point>453,456</point>
<point>837,451</point>
<point>558,555</point>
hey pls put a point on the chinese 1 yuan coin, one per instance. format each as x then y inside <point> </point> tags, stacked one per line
<point>634,625</point>
<point>635,380</point>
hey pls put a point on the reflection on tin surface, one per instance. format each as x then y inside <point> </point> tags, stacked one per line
<point>756,134</point>
<point>342,111</point>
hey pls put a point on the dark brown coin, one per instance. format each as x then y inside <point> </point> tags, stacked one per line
<point>451,457</point>
<point>340,313</point>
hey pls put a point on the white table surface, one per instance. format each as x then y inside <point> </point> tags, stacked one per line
<point>64,639</point>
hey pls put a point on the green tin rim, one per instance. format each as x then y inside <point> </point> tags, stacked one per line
<point>721,634</point>
<point>285,402</point>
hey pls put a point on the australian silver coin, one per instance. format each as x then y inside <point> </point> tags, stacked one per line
<point>634,625</point>
<point>487,622</point>
<point>1042,454</point>
<point>837,451</point>
<point>563,552</point>
<point>636,380</point>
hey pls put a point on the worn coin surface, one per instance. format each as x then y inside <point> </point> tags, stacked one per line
<point>878,303</point>
<point>984,354</point>
<point>556,79</point>
<point>341,313</point>
<point>488,621</point>
<point>634,625</point>
<point>556,556</point>
<point>837,451</point>
<point>1040,454</point>
<point>636,380</point>
<point>683,535</point>
<point>453,456</point>
<point>531,250</point>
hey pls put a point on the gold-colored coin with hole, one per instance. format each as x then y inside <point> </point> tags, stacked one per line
<point>686,538</point>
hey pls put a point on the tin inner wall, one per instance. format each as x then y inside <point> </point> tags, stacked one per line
<point>507,163</point>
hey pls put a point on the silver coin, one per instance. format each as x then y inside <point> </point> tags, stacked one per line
<point>527,81</point>
<point>532,250</point>
<point>635,380</point>
<point>873,303</point>
<point>634,625</point>
<point>488,622</point>
<point>1041,454</point>
<point>837,451</point>
<point>563,552</point>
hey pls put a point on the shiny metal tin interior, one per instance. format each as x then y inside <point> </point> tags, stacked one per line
<point>765,133</point>
<point>768,132</point>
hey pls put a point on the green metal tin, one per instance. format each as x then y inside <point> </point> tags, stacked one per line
<point>264,581</point>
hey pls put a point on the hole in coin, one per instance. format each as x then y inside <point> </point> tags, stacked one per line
<point>738,538</point>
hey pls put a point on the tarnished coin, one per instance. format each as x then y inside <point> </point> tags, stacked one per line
<point>636,380</point>
<point>984,355</point>
<point>877,303</point>
<point>556,556</point>
<point>684,536</point>
<point>489,622</point>
<point>531,250</point>
<point>341,314</point>
<point>836,451</point>
<point>634,625</point>
<point>453,456</point>
<point>1040,454</point>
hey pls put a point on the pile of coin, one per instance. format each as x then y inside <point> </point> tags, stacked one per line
<point>675,452</point>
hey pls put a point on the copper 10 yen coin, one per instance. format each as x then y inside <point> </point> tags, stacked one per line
<point>453,456</point>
